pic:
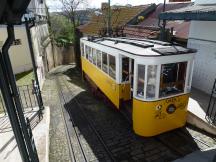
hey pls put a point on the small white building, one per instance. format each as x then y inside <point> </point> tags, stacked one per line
<point>20,52</point>
<point>202,36</point>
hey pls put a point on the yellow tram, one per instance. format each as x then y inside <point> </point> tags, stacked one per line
<point>156,76</point>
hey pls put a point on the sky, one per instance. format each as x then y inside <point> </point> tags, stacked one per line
<point>55,5</point>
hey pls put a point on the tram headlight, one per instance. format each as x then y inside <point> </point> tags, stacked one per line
<point>171,109</point>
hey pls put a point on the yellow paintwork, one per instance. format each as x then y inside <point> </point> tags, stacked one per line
<point>149,118</point>
<point>115,92</point>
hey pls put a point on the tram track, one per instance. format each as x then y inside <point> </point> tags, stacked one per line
<point>71,148</point>
<point>113,153</point>
<point>178,133</point>
<point>113,145</point>
<point>84,156</point>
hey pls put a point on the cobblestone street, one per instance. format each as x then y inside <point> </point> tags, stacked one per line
<point>85,127</point>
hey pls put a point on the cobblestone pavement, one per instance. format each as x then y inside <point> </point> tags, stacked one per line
<point>117,136</point>
<point>58,149</point>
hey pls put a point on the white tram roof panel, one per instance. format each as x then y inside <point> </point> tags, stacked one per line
<point>142,47</point>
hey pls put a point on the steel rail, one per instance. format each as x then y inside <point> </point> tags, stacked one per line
<point>92,126</point>
<point>72,152</point>
<point>157,138</point>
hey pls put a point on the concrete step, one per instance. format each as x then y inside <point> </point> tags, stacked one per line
<point>196,117</point>
<point>200,156</point>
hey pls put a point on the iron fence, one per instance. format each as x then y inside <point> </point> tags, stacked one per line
<point>211,111</point>
<point>27,96</point>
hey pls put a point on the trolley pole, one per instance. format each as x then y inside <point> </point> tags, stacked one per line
<point>164,22</point>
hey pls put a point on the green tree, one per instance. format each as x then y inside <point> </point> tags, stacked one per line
<point>61,29</point>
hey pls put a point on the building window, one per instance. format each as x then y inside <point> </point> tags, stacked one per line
<point>104,62</point>
<point>17,42</point>
<point>172,78</point>
<point>125,69</point>
<point>98,58</point>
<point>151,81</point>
<point>112,66</point>
<point>94,55</point>
<point>140,81</point>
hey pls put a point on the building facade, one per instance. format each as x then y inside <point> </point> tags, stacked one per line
<point>20,52</point>
<point>202,37</point>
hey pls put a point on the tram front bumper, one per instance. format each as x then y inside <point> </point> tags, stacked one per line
<point>155,117</point>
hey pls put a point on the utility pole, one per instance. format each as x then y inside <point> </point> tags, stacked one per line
<point>164,22</point>
<point>109,28</point>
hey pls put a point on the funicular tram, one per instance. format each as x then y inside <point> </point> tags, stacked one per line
<point>156,76</point>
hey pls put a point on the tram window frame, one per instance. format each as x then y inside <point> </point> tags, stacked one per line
<point>99,59</point>
<point>90,55</point>
<point>110,68</point>
<point>174,85</point>
<point>94,56</point>
<point>87,51</point>
<point>152,76</point>
<point>125,77</point>
<point>105,64</point>
<point>190,75</point>
<point>82,49</point>
<point>141,69</point>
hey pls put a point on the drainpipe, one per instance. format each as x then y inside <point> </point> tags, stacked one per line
<point>39,98</point>
<point>11,110</point>
<point>163,27</point>
<point>14,92</point>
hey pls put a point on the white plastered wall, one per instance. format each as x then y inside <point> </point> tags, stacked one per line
<point>19,54</point>
<point>39,33</point>
<point>202,36</point>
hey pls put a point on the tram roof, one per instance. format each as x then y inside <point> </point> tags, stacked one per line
<point>141,47</point>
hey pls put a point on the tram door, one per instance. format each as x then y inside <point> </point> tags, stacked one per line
<point>127,72</point>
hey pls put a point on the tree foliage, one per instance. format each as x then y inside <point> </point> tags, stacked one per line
<point>62,29</point>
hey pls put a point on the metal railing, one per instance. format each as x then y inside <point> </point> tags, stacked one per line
<point>211,111</point>
<point>28,99</point>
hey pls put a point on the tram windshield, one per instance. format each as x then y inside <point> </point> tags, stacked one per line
<point>172,78</point>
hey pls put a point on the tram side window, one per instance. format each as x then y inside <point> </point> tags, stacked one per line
<point>172,78</point>
<point>98,59</point>
<point>82,49</point>
<point>104,62</point>
<point>151,81</point>
<point>140,80</point>
<point>125,69</point>
<point>112,66</point>
<point>90,54</point>
<point>94,55</point>
<point>87,51</point>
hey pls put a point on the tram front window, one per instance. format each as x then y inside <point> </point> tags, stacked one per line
<point>140,81</point>
<point>151,81</point>
<point>172,78</point>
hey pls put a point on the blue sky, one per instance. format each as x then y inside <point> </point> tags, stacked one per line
<point>55,5</point>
